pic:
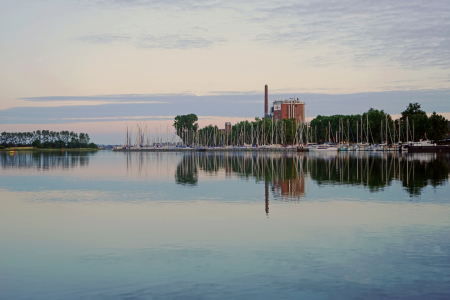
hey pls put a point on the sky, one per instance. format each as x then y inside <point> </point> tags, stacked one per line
<point>97,66</point>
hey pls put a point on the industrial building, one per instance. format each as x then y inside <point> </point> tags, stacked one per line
<point>284,109</point>
<point>227,127</point>
<point>288,109</point>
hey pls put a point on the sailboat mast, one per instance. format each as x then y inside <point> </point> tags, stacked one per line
<point>407,130</point>
<point>382,132</point>
<point>367,129</point>
<point>272,132</point>
<point>357,132</point>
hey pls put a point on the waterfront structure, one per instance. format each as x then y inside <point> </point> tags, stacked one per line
<point>288,109</point>
<point>227,127</point>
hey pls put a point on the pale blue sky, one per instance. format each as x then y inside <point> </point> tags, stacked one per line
<point>154,59</point>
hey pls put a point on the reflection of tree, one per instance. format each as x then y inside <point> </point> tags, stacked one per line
<point>418,175</point>
<point>187,171</point>
<point>45,160</point>
<point>377,172</point>
<point>260,167</point>
<point>352,170</point>
<point>285,172</point>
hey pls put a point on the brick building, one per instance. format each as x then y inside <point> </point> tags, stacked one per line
<point>227,127</point>
<point>288,109</point>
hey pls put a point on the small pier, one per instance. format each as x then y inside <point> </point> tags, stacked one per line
<point>429,149</point>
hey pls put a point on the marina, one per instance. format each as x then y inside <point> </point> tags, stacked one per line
<point>285,128</point>
<point>295,148</point>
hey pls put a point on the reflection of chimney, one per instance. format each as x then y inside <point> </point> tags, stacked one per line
<point>266,101</point>
<point>267,197</point>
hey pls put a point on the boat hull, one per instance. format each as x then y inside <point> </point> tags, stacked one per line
<point>319,149</point>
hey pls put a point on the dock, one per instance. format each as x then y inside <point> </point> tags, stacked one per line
<point>429,149</point>
<point>216,149</point>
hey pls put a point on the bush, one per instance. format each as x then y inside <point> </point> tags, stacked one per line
<point>37,144</point>
<point>92,146</point>
<point>60,144</point>
<point>48,145</point>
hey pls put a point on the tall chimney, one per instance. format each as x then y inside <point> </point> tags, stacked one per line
<point>266,102</point>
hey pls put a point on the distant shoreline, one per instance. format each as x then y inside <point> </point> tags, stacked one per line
<point>48,149</point>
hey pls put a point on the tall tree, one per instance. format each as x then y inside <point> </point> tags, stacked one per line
<point>437,127</point>
<point>185,123</point>
<point>420,124</point>
<point>411,110</point>
<point>417,119</point>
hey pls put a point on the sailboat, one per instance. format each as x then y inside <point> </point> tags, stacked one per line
<point>328,146</point>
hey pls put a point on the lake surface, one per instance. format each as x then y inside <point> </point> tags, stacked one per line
<point>105,225</point>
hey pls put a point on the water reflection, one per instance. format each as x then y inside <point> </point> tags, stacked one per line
<point>143,165</point>
<point>284,174</point>
<point>44,160</point>
<point>193,226</point>
<point>414,171</point>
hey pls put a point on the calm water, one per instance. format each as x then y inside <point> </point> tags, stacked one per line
<point>107,225</point>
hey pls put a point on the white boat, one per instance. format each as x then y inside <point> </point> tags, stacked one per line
<point>342,147</point>
<point>422,143</point>
<point>353,148</point>
<point>309,146</point>
<point>379,147</point>
<point>325,147</point>
<point>363,147</point>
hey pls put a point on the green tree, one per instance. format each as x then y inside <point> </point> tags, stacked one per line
<point>209,136</point>
<point>420,124</point>
<point>417,119</point>
<point>411,110</point>
<point>324,128</point>
<point>437,127</point>
<point>37,143</point>
<point>185,124</point>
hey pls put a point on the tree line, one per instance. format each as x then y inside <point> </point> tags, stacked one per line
<point>257,132</point>
<point>46,139</point>
<point>373,126</point>
<point>374,172</point>
<point>376,126</point>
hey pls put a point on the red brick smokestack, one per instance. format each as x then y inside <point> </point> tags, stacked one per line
<point>266,102</point>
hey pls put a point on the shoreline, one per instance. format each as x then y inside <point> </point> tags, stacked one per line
<point>48,149</point>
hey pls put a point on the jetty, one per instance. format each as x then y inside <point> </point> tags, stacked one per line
<point>429,149</point>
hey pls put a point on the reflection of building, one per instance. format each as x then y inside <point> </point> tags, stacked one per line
<point>292,188</point>
<point>289,109</point>
<point>266,192</point>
